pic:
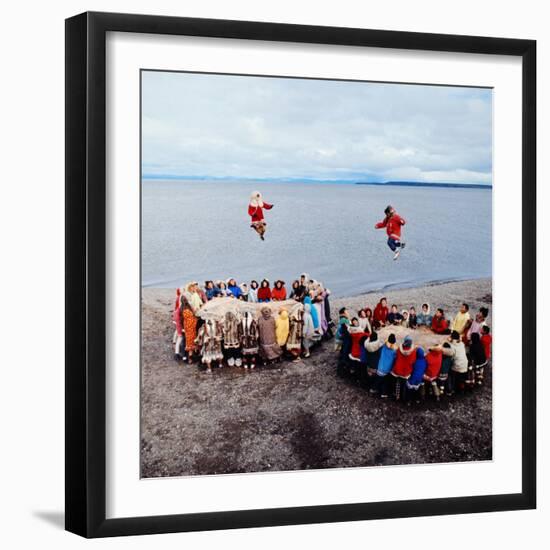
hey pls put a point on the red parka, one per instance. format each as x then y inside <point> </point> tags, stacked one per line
<point>381,313</point>
<point>355,350</point>
<point>486,342</point>
<point>264,293</point>
<point>256,212</point>
<point>433,359</point>
<point>404,362</point>
<point>439,324</point>
<point>278,294</point>
<point>393,225</point>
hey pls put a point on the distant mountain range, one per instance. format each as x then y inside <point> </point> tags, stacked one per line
<point>243,179</point>
<point>313,180</point>
<point>426,184</point>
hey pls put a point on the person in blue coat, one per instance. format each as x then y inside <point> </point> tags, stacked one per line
<point>388,353</point>
<point>211,290</point>
<point>415,382</point>
<point>314,314</point>
<point>234,288</point>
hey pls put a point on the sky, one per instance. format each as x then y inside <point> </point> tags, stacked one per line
<point>200,125</point>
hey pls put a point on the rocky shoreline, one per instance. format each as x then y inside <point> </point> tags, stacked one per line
<point>299,415</point>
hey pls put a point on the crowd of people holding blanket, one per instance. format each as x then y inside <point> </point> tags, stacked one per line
<point>224,323</point>
<point>454,361</point>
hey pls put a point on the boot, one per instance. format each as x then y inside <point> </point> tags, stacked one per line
<point>397,390</point>
<point>435,389</point>
<point>422,393</point>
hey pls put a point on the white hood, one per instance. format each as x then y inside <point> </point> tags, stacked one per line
<point>256,199</point>
<point>406,351</point>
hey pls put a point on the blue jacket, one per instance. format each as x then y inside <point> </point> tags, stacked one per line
<point>235,290</point>
<point>314,314</point>
<point>424,319</point>
<point>386,361</point>
<point>212,293</point>
<point>419,368</point>
<point>340,330</point>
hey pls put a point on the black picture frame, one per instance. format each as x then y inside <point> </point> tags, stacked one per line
<point>86,273</point>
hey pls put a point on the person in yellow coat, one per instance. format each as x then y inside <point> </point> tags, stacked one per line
<point>282,325</point>
<point>462,321</point>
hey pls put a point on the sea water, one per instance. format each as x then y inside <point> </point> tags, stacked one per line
<point>200,230</point>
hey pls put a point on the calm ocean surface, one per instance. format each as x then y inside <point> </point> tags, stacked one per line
<point>197,230</point>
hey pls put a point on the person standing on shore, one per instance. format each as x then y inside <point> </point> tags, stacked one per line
<point>248,332</point>
<point>459,367</point>
<point>191,303</point>
<point>308,330</point>
<point>179,335</point>
<point>282,327</point>
<point>486,340</point>
<point>403,366</point>
<point>393,223</point>
<point>478,361</point>
<point>295,330</point>
<point>462,321</point>
<point>434,360</point>
<point>415,383</point>
<point>477,324</point>
<point>256,213</point>
<point>232,340</point>
<point>343,323</point>
<point>388,353</point>
<point>372,358</point>
<point>269,348</point>
<point>443,379</point>
<point>209,342</point>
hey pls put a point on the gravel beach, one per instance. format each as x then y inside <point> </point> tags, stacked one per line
<point>299,415</point>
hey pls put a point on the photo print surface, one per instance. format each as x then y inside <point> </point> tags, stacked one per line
<point>316,274</point>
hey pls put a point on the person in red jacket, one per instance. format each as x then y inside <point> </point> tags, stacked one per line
<point>256,213</point>
<point>278,293</point>
<point>357,337</point>
<point>486,341</point>
<point>264,292</point>
<point>403,366</point>
<point>434,360</point>
<point>380,317</point>
<point>392,222</point>
<point>440,325</point>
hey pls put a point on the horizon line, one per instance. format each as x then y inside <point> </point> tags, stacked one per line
<point>292,179</point>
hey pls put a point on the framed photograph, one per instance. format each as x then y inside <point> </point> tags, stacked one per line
<point>300,274</point>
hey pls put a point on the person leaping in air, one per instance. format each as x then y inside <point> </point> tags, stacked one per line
<point>256,213</point>
<point>393,222</point>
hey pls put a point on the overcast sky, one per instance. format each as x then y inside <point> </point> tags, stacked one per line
<point>254,127</point>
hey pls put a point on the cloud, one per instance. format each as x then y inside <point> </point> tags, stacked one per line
<point>236,126</point>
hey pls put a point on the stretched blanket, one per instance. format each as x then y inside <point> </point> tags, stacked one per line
<point>217,308</point>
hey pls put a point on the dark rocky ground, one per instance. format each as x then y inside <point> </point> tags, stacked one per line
<point>297,415</point>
